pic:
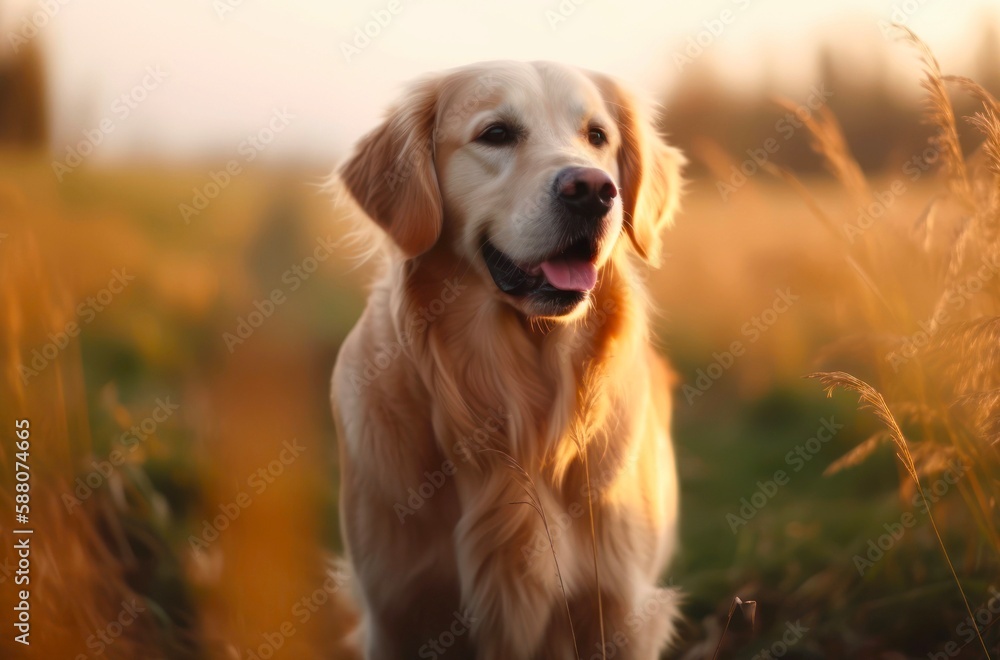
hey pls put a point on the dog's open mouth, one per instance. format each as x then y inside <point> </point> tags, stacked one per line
<point>570,272</point>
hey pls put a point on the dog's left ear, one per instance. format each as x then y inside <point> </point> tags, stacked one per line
<point>649,170</point>
<point>391,173</point>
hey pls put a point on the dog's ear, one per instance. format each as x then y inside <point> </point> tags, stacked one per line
<point>648,168</point>
<point>391,173</point>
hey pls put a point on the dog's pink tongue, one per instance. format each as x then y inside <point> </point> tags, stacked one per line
<point>570,274</point>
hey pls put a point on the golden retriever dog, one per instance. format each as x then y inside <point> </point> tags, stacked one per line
<point>508,483</point>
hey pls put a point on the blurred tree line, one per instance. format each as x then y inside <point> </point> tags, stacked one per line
<point>705,116</point>
<point>23,97</point>
<point>702,115</point>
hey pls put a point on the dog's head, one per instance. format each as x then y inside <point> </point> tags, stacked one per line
<point>531,172</point>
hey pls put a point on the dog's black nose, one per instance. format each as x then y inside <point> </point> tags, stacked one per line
<point>586,190</point>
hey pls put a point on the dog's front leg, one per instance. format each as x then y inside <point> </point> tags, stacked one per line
<point>509,598</point>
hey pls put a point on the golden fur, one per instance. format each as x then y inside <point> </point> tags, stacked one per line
<point>471,421</point>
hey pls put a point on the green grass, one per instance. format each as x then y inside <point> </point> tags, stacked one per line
<point>794,557</point>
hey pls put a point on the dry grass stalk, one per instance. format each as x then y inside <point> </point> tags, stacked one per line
<point>858,454</point>
<point>528,485</point>
<point>941,115</point>
<point>871,399</point>
<point>594,405</point>
<point>72,553</point>
<point>814,206</point>
<point>956,368</point>
<point>985,414</point>
<point>749,610</point>
<point>827,140</point>
<point>988,123</point>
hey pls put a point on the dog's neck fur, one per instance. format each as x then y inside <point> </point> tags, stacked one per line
<point>553,382</point>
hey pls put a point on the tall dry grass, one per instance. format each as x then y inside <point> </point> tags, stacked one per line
<point>129,540</point>
<point>83,562</point>
<point>929,343</point>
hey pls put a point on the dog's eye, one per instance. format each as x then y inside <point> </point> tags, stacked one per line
<point>497,134</point>
<point>597,137</point>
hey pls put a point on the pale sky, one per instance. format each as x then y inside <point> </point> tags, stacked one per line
<point>226,75</point>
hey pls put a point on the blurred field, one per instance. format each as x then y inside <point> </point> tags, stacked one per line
<point>175,369</point>
<point>163,336</point>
